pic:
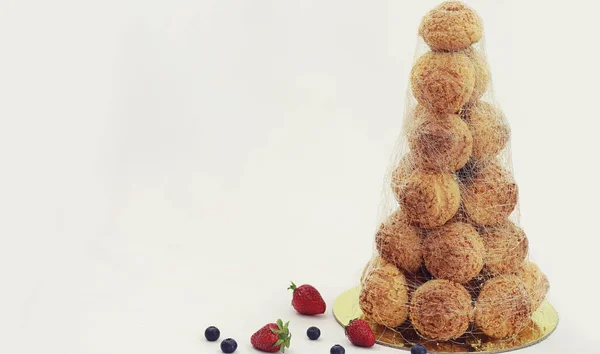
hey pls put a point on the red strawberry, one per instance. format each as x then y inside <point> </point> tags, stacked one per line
<point>307,300</point>
<point>272,337</point>
<point>360,334</point>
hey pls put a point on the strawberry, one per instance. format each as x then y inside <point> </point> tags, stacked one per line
<point>360,334</point>
<point>272,337</point>
<point>307,300</point>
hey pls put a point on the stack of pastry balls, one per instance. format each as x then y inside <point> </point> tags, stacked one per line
<point>449,256</point>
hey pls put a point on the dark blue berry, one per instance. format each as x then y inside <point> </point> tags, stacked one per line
<point>228,345</point>
<point>337,349</point>
<point>418,349</point>
<point>313,333</point>
<point>212,333</point>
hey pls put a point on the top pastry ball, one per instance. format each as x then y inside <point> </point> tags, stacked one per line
<point>439,142</point>
<point>429,200</point>
<point>443,82</point>
<point>451,26</point>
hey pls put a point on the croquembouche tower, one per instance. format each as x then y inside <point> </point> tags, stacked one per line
<point>450,268</point>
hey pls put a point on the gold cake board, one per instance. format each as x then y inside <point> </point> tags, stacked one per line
<point>543,323</point>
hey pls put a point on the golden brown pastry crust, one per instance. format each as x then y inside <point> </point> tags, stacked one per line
<point>451,26</point>
<point>400,243</point>
<point>506,247</point>
<point>482,73</point>
<point>443,82</point>
<point>503,307</point>
<point>536,283</point>
<point>439,142</point>
<point>400,175</point>
<point>489,193</point>
<point>429,200</point>
<point>453,252</point>
<point>488,127</point>
<point>441,310</point>
<point>384,295</point>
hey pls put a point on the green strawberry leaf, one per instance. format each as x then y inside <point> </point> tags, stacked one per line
<point>292,287</point>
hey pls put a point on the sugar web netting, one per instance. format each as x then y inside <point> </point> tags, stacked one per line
<point>450,267</point>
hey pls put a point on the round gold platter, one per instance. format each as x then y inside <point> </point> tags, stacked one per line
<point>543,323</point>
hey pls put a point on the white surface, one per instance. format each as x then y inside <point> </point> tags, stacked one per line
<point>168,165</point>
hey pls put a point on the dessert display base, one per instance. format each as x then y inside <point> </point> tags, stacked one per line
<point>543,323</point>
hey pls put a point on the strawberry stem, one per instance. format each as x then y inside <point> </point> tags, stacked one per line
<point>292,287</point>
<point>283,334</point>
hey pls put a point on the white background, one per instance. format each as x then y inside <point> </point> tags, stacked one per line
<point>168,165</point>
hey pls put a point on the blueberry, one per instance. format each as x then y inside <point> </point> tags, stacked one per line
<point>212,333</point>
<point>337,349</point>
<point>228,345</point>
<point>313,333</point>
<point>418,349</point>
